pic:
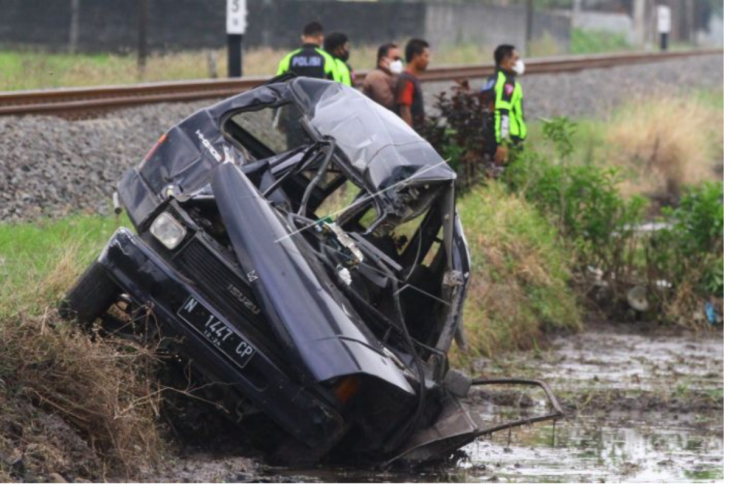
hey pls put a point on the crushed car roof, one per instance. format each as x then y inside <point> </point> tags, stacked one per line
<point>379,149</point>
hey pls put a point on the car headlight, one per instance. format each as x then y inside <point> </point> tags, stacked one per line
<point>168,230</point>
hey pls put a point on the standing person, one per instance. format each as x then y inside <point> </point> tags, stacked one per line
<point>309,60</point>
<point>408,91</point>
<point>337,45</point>
<point>379,84</point>
<point>506,129</point>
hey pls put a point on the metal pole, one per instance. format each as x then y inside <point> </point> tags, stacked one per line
<point>236,11</point>
<point>576,9</point>
<point>664,25</point>
<point>691,21</point>
<point>235,56</point>
<point>143,18</point>
<point>73,31</point>
<point>530,14</point>
<point>639,22</point>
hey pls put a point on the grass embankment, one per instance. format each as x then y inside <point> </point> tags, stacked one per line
<point>104,391</point>
<point>520,276</point>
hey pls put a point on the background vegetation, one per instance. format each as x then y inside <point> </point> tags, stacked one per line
<point>31,69</point>
<point>25,69</point>
<point>632,203</point>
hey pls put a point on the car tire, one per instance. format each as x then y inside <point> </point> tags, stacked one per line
<point>92,294</point>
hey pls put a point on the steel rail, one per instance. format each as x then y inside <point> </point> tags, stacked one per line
<point>79,102</point>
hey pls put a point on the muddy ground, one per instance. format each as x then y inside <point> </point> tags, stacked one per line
<point>641,407</point>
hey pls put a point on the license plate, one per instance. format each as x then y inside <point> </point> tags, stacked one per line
<point>218,333</point>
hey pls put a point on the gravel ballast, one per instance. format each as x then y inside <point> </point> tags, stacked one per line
<point>53,167</point>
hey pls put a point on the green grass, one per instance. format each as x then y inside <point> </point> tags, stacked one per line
<point>26,69</point>
<point>596,41</point>
<point>519,282</point>
<point>105,391</point>
<point>30,69</point>
<point>520,275</point>
<point>713,99</point>
<point>32,254</point>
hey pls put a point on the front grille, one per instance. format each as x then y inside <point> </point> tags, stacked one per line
<point>224,288</point>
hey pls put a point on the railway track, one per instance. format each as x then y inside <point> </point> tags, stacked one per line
<point>84,102</point>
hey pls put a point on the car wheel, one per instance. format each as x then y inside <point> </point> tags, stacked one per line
<point>90,297</point>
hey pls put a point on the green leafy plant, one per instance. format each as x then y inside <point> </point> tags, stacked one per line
<point>583,200</point>
<point>687,255</point>
<point>603,229</point>
<point>457,132</point>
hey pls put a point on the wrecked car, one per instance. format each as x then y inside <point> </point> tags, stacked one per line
<point>299,244</point>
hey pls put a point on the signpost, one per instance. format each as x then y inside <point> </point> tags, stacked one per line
<point>143,14</point>
<point>664,25</point>
<point>235,27</point>
<point>528,28</point>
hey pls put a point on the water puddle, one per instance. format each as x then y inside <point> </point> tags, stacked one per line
<point>642,408</point>
<point>591,449</point>
<point>580,450</point>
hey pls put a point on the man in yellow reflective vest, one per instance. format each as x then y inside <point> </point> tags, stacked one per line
<point>309,60</point>
<point>337,45</point>
<point>506,129</point>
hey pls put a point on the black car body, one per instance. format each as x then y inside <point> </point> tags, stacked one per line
<point>329,324</point>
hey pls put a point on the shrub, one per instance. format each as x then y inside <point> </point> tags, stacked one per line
<point>666,143</point>
<point>457,133</point>
<point>688,254</point>
<point>104,390</point>
<point>584,202</point>
<point>605,229</point>
<point>588,202</point>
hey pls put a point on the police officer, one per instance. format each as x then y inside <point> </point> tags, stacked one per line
<point>337,45</point>
<point>309,60</point>
<point>506,129</point>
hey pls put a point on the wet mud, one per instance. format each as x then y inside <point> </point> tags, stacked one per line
<point>640,407</point>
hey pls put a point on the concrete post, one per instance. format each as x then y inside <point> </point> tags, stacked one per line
<point>73,31</point>
<point>639,17</point>
<point>142,26</point>
<point>529,20</point>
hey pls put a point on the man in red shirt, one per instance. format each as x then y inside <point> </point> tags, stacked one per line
<point>408,91</point>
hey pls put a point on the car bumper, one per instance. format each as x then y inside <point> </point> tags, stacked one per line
<point>151,281</point>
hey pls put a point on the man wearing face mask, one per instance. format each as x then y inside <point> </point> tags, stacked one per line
<point>502,93</point>
<point>379,84</point>
<point>337,45</point>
